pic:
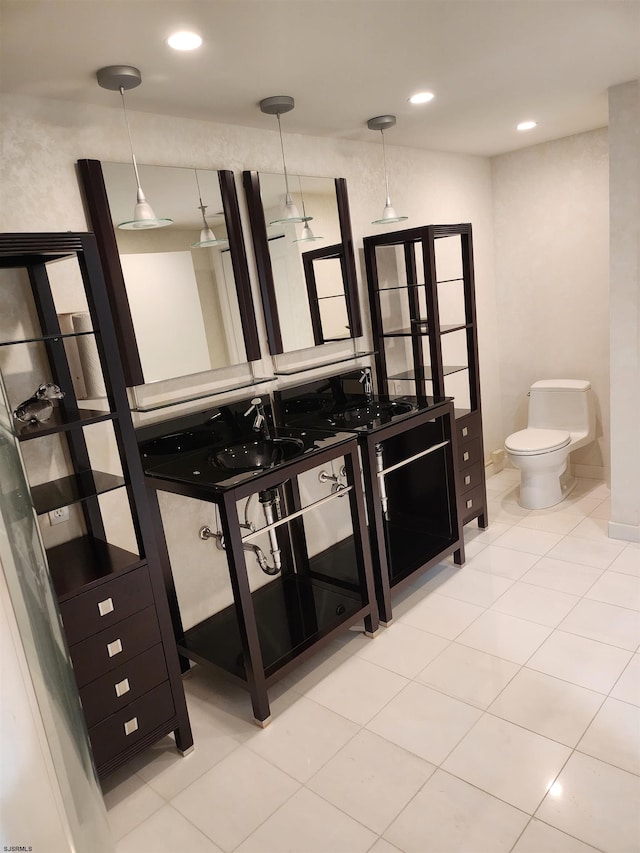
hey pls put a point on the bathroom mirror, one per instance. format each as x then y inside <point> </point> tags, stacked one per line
<point>308,287</point>
<point>179,309</point>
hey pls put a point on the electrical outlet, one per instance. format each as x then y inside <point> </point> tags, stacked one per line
<point>57,516</point>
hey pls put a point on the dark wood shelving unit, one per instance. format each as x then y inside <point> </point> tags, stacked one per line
<point>112,601</point>
<point>410,276</point>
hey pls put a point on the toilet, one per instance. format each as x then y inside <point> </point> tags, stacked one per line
<point>561,419</point>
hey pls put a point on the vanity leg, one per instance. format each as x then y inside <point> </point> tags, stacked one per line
<point>483,521</point>
<point>250,641</point>
<point>361,540</point>
<point>458,556</point>
<point>376,537</point>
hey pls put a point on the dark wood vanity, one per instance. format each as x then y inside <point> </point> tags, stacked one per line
<point>217,457</point>
<point>408,452</point>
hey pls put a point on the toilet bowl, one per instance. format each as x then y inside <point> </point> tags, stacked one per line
<point>561,419</point>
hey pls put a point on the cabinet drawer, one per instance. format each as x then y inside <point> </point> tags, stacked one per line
<point>468,427</point>
<point>471,503</point>
<point>139,719</point>
<point>105,651</point>
<point>470,453</point>
<point>123,685</point>
<point>92,611</point>
<point>470,478</point>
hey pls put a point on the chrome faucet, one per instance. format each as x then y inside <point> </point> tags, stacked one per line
<point>260,422</point>
<point>367,383</point>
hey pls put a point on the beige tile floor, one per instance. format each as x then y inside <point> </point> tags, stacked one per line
<point>499,712</point>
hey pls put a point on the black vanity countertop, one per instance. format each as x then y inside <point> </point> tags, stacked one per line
<point>209,448</point>
<point>340,403</point>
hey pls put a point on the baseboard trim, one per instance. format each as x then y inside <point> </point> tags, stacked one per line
<point>626,532</point>
<point>589,472</point>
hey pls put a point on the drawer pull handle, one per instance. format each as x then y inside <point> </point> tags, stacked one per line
<point>114,648</point>
<point>467,480</point>
<point>465,432</point>
<point>122,687</point>
<point>105,606</point>
<point>469,503</point>
<point>131,726</point>
<point>465,456</point>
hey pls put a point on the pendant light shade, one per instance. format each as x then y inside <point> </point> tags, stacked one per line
<point>207,237</point>
<point>306,234</point>
<point>122,78</point>
<point>277,105</point>
<point>389,214</point>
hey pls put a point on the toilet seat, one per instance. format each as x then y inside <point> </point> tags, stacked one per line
<point>530,442</point>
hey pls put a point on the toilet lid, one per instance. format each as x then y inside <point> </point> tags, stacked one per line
<point>530,441</point>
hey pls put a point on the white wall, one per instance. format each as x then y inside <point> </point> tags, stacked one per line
<point>42,140</point>
<point>551,226</point>
<point>624,121</point>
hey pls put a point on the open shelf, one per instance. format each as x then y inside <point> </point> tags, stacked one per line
<point>72,489</point>
<point>41,339</point>
<point>59,422</point>
<point>291,371</point>
<point>292,613</point>
<point>407,332</point>
<point>411,374</point>
<point>81,563</point>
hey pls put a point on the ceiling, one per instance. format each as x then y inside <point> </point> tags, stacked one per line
<point>490,63</point>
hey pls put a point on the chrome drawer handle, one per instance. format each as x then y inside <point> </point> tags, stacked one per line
<point>131,726</point>
<point>465,456</point>
<point>469,504</point>
<point>105,606</point>
<point>467,479</point>
<point>465,432</point>
<point>114,648</point>
<point>122,687</point>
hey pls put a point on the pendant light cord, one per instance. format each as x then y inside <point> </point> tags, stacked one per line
<point>384,162</point>
<point>203,207</point>
<point>133,156</point>
<point>284,162</point>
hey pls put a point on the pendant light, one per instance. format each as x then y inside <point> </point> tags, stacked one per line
<point>306,234</point>
<point>277,105</point>
<point>207,237</point>
<point>389,215</point>
<point>121,78</point>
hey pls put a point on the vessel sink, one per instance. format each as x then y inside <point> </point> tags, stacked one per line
<point>178,442</point>
<point>366,412</point>
<point>258,454</point>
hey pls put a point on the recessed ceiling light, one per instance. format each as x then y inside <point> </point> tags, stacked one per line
<point>421,98</point>
<point>527,125</point>
<point>184,41</point>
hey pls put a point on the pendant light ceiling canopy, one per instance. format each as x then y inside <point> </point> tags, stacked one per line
<point>389,214</point>
<point>121,78</point>
<point>277,105</point>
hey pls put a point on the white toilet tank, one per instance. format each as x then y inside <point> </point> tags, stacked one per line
<point>565,404</point>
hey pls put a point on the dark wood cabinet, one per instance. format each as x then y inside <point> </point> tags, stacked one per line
<point>423,318</point>
<point>111,599</point>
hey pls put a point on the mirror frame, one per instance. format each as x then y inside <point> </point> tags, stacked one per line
<point>343,250</point>
<point>99,215</point>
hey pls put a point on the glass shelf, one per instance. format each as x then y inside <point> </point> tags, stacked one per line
<point>407,332</point>
<point>291,371</point>
<point>292,613</point>
<point>332,296</point>
<point>43,339</point>
<point>139,407</point>
<point>73,489</point>
<point>60,422</point>
<point>410,374</point>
